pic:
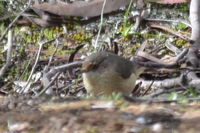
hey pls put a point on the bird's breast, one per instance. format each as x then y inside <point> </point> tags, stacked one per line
<point>108,82</point>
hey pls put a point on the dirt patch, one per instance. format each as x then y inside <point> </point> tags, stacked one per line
<point>96,116</point>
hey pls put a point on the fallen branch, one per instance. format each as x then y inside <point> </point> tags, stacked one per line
<point>168,20</point>
<point>80,8</point>
<point>157,63</point>
<point>9,53</point>
<point>46,79</point>
<point>169,30</point>
<point>47,86</point>
<point>89,9</point>
<point>167,83</point>
<point>25,89</point>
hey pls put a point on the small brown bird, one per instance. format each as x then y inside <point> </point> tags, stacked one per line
<point>105,73</point>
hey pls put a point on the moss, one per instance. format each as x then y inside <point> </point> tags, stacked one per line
<point>135,47</point>
<point>57,30</point>
<point>125,39</point>
<point>80,37</point>
<point>71,23</point>
<point>180,43</point>
<point>90,129</point>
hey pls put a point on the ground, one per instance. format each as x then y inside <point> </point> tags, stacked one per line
<point>72,115</point>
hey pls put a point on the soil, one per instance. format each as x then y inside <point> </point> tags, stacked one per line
<point>73,115</point>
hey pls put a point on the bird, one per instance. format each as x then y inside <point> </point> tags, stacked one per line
<point>106,73</point>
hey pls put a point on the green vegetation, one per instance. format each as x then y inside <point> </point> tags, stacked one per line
<point>181,26</point>
<point>180,43</point>
<point>191,92</point>
<point>184,7</point>
<point>126,26</point>
<point>2,8</point>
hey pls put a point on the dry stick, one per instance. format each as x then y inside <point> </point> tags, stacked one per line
<point>11,24</point>
<point>193,99</point>
<point>167,20</point>
<point>101,23</point>
<point>150,57</point>
<point>137,23</point>
<point>51,58</point>
<point>169,30</point>
<point>172,48</point>
<point>34,66</point>
<point>142,47</point>
<point>50,83</point>
<point>46,80</point>
<point>155,62</point>
<point>48,75</point>
<point>25,69</point>
<point>9,53</point>
<point>148,89</point>
<point>161,84</point>
<point>61,68</point>
<point>191,77</point>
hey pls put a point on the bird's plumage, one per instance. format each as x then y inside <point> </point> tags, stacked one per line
<point>105,72</point>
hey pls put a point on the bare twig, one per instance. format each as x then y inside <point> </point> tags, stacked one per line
<point>51,58</point>
<point>26,68</point>
<point>173,48</point>
<point>11,24</point>
<point>193,99</point>
<point>138,17</point>
<point>25,89</point>
<point>48,75</point>
<point>188,79</point>
<point>101,23</point>
<point>170,31</point>
<point>141,48</point>
<point>161,84</point>
<point>50,83</point>
<point>167,20</point>
<point>9,53</point>
<point>61,68</point>
<point>157,63</point>
<point>148,89</point>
